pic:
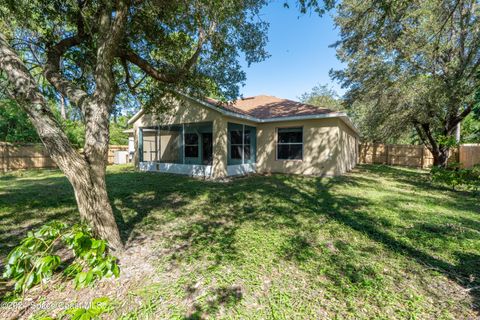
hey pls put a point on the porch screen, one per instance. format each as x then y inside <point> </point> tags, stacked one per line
<point>191,145</point>
<point>241,144</point>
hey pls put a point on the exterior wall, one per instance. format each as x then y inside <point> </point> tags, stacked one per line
<point>320,148</point>
<point>220,142</point>
<point>182,111</point>
<point>169,146</point>
<point>348,148</point>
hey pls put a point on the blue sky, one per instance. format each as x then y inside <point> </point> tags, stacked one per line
<point>300,54</point>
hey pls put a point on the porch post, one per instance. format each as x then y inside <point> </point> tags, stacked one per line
<point>220,135</point>
<point>156,143</point>
<point>183,143</point>
<point>140,144</point>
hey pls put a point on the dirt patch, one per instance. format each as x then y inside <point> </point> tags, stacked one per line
<point>137,268</point>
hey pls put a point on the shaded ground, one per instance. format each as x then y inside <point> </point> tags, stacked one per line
<point>378,242</point>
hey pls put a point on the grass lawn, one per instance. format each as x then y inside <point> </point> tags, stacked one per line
<point>379,242</point>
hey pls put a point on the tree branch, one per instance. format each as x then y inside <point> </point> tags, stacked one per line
<point>52,66</point>
<point>110,34</point>
<point>30,99</point>
<point>143,64</point>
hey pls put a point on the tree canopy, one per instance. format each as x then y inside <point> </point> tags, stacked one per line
<point>97,54</point>
<point>323,96</point>
<point>411,64</point>
<point>166,45</point>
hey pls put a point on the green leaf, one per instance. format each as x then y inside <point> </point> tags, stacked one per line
<point>30,280</point>
<point>89,278</point>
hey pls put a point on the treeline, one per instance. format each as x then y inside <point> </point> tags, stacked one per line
<point>15,126</point>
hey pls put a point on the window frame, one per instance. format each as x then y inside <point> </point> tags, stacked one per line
<point>241,144</point>
<point>277,143</point>
<point>247,133</point>
<point>185,145</point>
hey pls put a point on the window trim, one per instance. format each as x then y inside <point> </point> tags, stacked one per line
<point>237,144</point>
<point>185,145</point>
<point>242,145</point>
<point>277,143</point>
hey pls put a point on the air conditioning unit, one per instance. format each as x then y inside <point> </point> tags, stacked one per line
<point>121,157</point>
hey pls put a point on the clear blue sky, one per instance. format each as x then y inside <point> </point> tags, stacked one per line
<point>300,54</point>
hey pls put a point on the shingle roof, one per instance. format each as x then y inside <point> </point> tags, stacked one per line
<point>267,107</point>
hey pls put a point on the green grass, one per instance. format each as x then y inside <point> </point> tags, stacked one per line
<point>380,242</point>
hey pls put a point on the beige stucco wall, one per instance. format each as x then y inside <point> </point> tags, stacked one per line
<point>169,146</point>
<point>320,140</point>
<point>182,111</point>
<point>348,148</point>
<point>220,147</point>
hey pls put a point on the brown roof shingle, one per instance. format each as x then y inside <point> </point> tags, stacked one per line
<point>266,107</point>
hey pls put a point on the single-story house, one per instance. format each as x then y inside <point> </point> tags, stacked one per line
<point>261,134</point>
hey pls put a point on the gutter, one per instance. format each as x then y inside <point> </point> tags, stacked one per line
<point>342,115</point>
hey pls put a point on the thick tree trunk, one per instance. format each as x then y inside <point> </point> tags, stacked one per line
<point>439,152</point>
<point>93,205</point>
<point>86,172</point>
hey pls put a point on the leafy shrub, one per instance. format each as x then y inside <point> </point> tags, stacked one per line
<point>453,176</point>
<point>98,307</point>
<point>35,260</point>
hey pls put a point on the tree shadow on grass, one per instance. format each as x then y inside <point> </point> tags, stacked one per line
<point>466,273</point>
<point>262,200</point>
<point>211,214</point>
<point>222,297</point>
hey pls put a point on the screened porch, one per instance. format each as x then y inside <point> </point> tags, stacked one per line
<point>188,149</point>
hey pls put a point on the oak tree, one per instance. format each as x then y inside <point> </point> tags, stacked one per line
<point>95,53</point>
<point>411,64</point>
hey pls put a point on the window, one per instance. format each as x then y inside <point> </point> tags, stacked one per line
<point>239,144</point>
<point>191,145</point>
<point>236,144</point>
<point>289,143</point>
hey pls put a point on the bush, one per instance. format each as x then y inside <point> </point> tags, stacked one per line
<point>36,260</point>
<point>453,176</point>
<point>98,307</point>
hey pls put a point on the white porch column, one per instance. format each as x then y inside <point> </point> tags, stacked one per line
<point>220,145</point>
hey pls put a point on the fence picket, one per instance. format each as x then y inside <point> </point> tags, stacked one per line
<point>34,156</point>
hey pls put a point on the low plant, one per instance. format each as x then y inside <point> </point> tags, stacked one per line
<point>37,257</point>
<point>98,307</point>
<point>454,176</point>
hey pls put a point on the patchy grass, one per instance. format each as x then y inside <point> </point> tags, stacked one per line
<point>380,242</point>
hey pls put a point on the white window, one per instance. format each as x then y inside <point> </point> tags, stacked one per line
<point>290,143</point>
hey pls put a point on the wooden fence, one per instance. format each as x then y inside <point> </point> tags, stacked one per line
<point>469,155</point>
<point>34,156</point>
<point>404,155</point>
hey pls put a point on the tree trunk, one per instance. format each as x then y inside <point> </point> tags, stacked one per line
<point>440,157</point>
<point>63,111</point>
<point>93,205</point>
<point>86,172</point>
<point>439,152</point>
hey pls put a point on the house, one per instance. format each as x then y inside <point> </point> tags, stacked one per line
<point>261,134</point>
